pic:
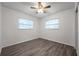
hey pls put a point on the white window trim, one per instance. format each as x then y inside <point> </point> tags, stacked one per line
<point>52,28</point>
<point>25,28</point>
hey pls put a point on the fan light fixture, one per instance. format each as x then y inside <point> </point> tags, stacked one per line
<point>40,11</point>
<point>41,7</point>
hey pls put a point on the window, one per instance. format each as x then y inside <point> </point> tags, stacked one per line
<point>25,24</point>
<point>52,24</point>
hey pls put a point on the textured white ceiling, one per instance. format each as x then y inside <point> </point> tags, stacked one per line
<point>25,7</point>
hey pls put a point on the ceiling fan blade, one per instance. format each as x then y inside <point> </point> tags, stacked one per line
<point>33,7</point>
<point>48,6</point>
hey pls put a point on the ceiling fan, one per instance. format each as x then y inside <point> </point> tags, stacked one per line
<point>41,7</point>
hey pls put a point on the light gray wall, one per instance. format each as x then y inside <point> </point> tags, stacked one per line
<point>76,26</point>
<point>66,32</point>
<point>11,34</point>
<point>0,27</point>
<point>78,30</point>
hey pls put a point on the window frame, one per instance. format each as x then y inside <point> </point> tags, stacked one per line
<point>25,28</point>
<point>54,24</point>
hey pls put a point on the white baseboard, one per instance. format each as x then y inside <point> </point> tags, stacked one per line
<point>16,42</point>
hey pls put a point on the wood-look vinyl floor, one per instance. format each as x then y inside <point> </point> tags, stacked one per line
<point>39,47</point>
